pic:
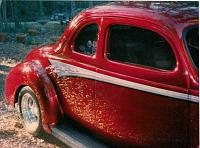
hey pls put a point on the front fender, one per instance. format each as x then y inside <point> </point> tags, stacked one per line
<point>32,74</point>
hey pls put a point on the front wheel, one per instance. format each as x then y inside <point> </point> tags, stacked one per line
<point>30,111</point>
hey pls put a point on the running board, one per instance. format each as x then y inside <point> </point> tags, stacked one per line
<point>75,139</point>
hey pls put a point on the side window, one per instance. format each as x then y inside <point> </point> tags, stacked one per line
<point>192,42</point>
<point>86,41</point>
<point>134,45</point>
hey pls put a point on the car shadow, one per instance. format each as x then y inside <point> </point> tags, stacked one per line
<point>53,140</point>
<point>2,82</point>
<point>3,73</point>
<point>6,134</point>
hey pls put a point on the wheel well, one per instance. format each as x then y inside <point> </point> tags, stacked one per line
<point>17,93</point>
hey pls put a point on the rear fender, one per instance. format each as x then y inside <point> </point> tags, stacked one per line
<point>32,74</point>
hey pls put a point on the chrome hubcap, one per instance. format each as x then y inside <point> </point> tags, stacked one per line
<point>30,112</point>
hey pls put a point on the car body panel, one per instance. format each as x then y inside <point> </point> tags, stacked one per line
<point>76,92</point>
<point>31,73</point>
<point>125,104</point>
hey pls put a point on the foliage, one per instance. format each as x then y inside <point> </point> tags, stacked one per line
<point>18,11</point>
<point>34,10</point>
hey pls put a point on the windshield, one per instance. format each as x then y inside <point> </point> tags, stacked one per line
<point>192,44</point>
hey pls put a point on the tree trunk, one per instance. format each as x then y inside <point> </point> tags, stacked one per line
<point>73,8</point>
<point>4,14</point>
<point>15,13</point>
<point>41,9</point>
<point>91,4</point>
<point>1,19</point>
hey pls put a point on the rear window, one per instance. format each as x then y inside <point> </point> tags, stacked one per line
<point>86,41</point>
<point>192,44</point>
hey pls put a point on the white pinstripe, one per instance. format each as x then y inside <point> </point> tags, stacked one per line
<point>62,69</point>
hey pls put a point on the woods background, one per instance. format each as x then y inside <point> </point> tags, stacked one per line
<point>28,11</point>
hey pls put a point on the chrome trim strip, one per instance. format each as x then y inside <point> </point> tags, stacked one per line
<point>62,69</point>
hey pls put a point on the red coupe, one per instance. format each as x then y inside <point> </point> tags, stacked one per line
<point>123,74</point>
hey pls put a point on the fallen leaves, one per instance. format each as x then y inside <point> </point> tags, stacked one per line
<point>12,133</point>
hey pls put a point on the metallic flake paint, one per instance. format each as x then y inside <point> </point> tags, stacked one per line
<point>119,114</point>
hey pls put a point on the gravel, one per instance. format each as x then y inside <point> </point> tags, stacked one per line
<point>13,135</point>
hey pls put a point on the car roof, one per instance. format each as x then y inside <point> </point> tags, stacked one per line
<point>163,13</point>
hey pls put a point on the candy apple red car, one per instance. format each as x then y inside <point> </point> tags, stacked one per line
<point>127,72</point>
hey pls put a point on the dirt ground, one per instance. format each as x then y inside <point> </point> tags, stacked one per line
<point>12,133</point>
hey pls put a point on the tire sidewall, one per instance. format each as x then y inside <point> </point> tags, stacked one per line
<point>23,91</point>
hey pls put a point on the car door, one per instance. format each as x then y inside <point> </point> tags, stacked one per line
<point>190,38</point>
<point>194,115</point>
<point>141,88</point>
<point>74,70</point>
